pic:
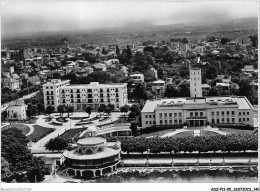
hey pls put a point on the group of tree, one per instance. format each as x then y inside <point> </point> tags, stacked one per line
<point>17,163</point>
<point>8,95</point>
<point>96,76</point>
<point>225,143</point>
<point>181,90</point>
<point>31,110</point>
<point>63,109</point>
<point>37,102</point>
<point>248,90</point>
<point>106,109</point>
<point>56,144</point>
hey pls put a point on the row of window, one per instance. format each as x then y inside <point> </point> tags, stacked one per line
<point>222,113</point>
<point>194,73</point>
<point>88,90</point>
<point>196,114</point>
<point>244,119</point>
<point>223,120</point>
<point>228,120</point>
<point>244,113</point>
<point>170,115</point>
<point>171,122</point>
<point>83,106</point>
<point>150,116</point>
<point>50,102</point>
<point>89,100</point>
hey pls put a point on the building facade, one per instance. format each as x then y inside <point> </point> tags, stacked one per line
<point>159,87</point>
<point>195,82</point>
<point>197,111</point>
<point>12,83</point>
<point>51,92</point>
<point>137,77</point>
<point>60,92</point>
<point>16,110</point>
<point>92,156</point>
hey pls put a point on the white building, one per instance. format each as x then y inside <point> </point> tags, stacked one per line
<point>137,77</point>
<point>16,110</point>
<point>159,87</point>
<point>197,112</point>
<point>51,92</point>
<point>224,78</point>
<point>61,93</point>
<point>195,82</point>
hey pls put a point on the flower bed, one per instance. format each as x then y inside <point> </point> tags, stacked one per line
<point>24,128</point>
<point>39,132</point>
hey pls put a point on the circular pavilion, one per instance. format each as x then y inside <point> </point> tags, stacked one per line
<point>92,157</point>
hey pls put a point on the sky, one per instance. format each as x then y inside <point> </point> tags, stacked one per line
<point>28,16</point>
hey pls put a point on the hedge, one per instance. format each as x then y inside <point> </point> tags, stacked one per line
<point>233,142</point>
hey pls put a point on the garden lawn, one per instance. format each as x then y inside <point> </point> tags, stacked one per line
<point>184,134</point>
<point>24,128</point>
<point>39,132</point>
<point>236,131</point>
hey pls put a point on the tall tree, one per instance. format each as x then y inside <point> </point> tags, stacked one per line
<point>129,53</point>
<point>171,91</point>
<point>102,108</point>
<point>133,128</point>
<point>88,110</point>
<point>117,50</point>
<point>214,92</point>
<point>248,90</point>
<point>61,110</point>
<point>104,52</point>
<point>58,143</point>
<point>29,113</point>
<point>184,89</point>
<point>49,109</point>
<point>124,109</point>
<point>69,109</point>
<point>139,92</point>
<point>23,166</point>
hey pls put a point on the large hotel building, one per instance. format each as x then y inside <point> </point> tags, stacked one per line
<point>60,92</point>
<point>197,110</point>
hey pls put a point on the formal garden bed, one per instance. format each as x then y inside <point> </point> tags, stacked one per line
<point>24,128</point>
<point>39,132</point>
<point>62,119</point>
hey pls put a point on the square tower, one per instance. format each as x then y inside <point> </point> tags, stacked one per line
<point>195,82</point>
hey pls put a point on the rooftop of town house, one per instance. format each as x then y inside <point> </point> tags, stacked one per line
<point>56,81</point>
<point>158,81</point>
<point>242,102</point>
<point>205,86</point>
<point>17,103</point>
<point>94,85</point>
